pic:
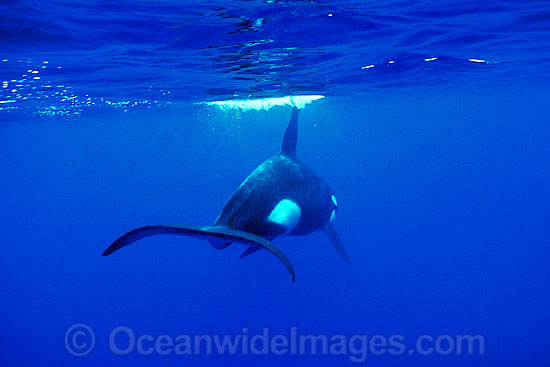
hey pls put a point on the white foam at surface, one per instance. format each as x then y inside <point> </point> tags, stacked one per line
<point>265,103</point>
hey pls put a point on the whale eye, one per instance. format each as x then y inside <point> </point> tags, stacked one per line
<point>334,209</point>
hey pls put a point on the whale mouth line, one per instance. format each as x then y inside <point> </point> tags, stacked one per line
<point>300,101</point>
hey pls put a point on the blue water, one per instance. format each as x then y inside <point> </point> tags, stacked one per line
<point>434,135</point>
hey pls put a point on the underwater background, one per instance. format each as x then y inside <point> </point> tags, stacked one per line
<point>433,134</point>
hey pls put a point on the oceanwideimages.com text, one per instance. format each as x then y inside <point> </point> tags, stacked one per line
<point>80,340</point>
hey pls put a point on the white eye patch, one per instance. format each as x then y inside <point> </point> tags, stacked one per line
<point>287,214</point>
<point>334,200</point>
<point>333,215</point>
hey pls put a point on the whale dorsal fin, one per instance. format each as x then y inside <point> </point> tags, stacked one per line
<point>291,135</point>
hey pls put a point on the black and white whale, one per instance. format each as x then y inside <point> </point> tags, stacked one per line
<point>281,197</point>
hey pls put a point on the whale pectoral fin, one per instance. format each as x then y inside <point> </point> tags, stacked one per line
<point>205,233</point>
<point>219,244</point>
<point>336,242</point>
<point>249,251</point>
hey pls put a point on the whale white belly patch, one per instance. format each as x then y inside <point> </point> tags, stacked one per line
<point>287,214</point>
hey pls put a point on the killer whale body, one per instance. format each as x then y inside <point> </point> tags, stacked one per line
<point>282,196</point>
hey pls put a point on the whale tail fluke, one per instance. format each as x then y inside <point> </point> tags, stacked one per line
<point>213,234</point>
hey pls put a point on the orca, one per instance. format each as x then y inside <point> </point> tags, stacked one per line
<point>281,197</point>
